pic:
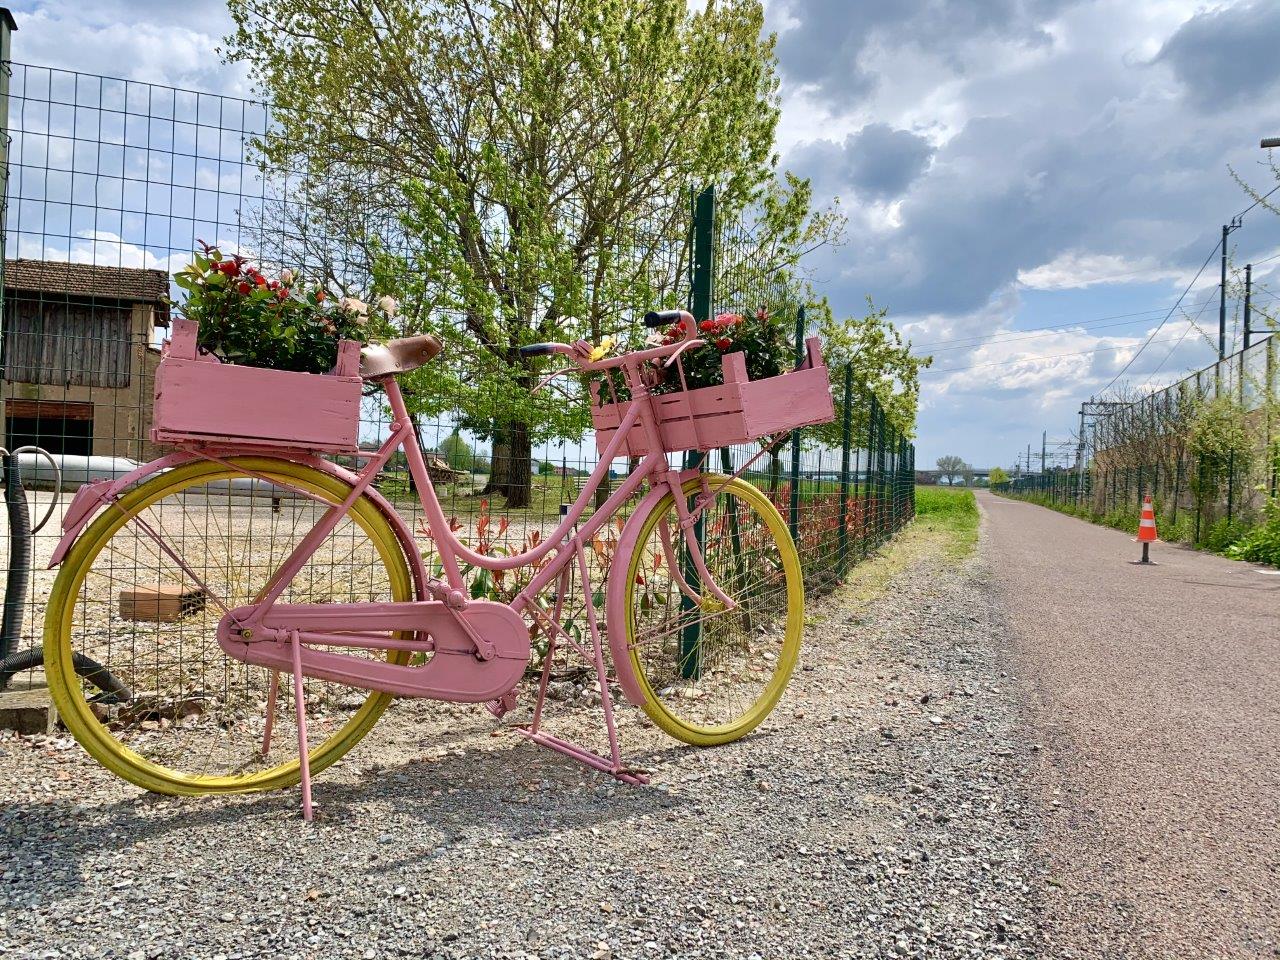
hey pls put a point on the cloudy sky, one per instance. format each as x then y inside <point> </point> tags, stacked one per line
<point>1030,184</point>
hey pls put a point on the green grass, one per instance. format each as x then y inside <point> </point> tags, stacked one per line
<point>952,513</point>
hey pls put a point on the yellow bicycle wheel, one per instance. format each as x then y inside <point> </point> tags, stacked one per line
<point>142,591</point>
<point>710,674</point>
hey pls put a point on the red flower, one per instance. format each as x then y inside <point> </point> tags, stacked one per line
<point>274,285</point>
<point>282,294</point>
<point>259,279</point>
<point>724,343</point>
<point>319,296</point>
<point>706,325</point>
<point>229,267</point>
<point>244,287</point>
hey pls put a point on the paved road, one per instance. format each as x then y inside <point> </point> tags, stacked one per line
<point>1155,694</point>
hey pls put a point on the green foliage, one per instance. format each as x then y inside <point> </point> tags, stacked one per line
<point>1221,442</point>
<point>457,452</point>
<point>882,365</point>
<point>998,476</point>
<point>952,510</point>
<point>248,319</point>
<point>1261,544</point>
<point>762,339</point>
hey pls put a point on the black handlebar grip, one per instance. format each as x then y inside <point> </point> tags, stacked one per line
<point>660,318</point>
<point>538,349</point>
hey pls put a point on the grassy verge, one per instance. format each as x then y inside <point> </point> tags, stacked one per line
<point>945,528</point>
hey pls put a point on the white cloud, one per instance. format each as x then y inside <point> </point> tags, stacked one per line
<point>1075,270</point>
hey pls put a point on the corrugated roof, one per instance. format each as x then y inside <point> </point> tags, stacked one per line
<point>129,284</point>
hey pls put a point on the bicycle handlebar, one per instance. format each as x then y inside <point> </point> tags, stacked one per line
<point>660,318</point>
<point>580,352</point>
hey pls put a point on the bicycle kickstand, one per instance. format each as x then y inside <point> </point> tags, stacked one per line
<point>299,706</point>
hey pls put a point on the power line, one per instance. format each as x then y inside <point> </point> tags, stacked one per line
<point>1058,326</point>
<point>1036,332</point>
<point>1190,325</point>
<point>1032,359</point>
<point>1126,367</point>
<point>1258,201</point>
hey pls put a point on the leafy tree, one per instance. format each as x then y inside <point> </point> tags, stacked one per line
<point>998,476</point>
<point>514,170</point>
<point>883,365</point>
<point>457,452</point>
<point>952,467</point>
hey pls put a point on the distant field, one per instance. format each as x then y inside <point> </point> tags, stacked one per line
<point>951,510</point>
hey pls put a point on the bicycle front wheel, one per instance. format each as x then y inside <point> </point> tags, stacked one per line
<point>142,591</point>
<point>711,674</point>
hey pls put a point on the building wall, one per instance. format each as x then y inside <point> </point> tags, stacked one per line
<point>121,416</point>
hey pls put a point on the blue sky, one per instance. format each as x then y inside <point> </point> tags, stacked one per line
<point>1006,166</point>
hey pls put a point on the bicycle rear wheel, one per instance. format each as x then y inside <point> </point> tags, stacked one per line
<point>711,675</point>
<point>149,614</point>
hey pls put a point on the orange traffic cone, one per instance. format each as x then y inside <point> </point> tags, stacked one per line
<point>1146,530</point>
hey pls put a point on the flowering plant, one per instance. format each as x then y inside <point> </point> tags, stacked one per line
<point>247,318</point>
<point>760,338</point>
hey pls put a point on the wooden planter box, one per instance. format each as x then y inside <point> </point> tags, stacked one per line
<point>200,400</point>
<point>738,411</point>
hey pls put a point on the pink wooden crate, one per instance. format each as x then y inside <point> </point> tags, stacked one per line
<point>199,399</point>
<point>738,411</point>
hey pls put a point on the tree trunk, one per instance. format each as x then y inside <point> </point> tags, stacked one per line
<point>511,469</point>
<point>499,463</point>
<point>519,485</point>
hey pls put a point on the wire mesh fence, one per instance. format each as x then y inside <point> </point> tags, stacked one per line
<point>110,186</point>
<point>1204,449</point>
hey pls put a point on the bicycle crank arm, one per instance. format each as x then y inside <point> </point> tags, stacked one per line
<point>456,670</point>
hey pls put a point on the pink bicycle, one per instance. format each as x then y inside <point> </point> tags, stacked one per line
<point>200,578</point>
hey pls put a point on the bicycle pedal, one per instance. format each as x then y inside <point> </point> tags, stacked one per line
<point>502,705</point>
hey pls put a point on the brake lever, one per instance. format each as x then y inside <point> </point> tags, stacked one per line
<point>545,380</point>
<point>695,342</point>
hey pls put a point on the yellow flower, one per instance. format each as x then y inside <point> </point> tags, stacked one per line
<point>602,351</point>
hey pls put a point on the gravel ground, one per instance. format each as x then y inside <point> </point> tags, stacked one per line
<point>877,813</point>
<point>1155,693</point>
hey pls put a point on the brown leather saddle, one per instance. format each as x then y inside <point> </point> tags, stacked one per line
<point>397,356</point>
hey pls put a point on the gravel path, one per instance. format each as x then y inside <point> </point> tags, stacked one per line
<point>1156,694</point>
<point>876,814</point>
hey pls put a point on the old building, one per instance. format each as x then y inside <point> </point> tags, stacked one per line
<point>79,356</point>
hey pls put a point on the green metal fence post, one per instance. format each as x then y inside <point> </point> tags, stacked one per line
<point>846,435</point>
<point>703,279</point>
<point>867,495</point>
<point>794,517</point>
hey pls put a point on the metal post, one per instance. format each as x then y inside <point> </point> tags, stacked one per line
<point>1248,306</point>
<point>794,519</point>
<point>1222,297</point>
<point>7,27</point>
<point>700,305</point>
<point>846,436</point>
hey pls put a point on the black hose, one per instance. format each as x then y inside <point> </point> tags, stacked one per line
<point>15,594</point>
<point>90,670</point>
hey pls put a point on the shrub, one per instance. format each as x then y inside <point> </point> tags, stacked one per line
<point>282,323</point>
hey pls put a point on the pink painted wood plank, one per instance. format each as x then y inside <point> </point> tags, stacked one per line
<point>736,412</point>
<point>197,400</point>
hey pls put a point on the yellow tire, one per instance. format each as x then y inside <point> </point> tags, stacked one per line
<point>196,714</point>
<point>711,675</point>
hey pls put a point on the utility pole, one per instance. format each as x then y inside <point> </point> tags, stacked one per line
<point>1248,297</point>
<point>1044,440</point>
<point>1028,458</point>
<point>1222,289</point>
<point>1080,460</point>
